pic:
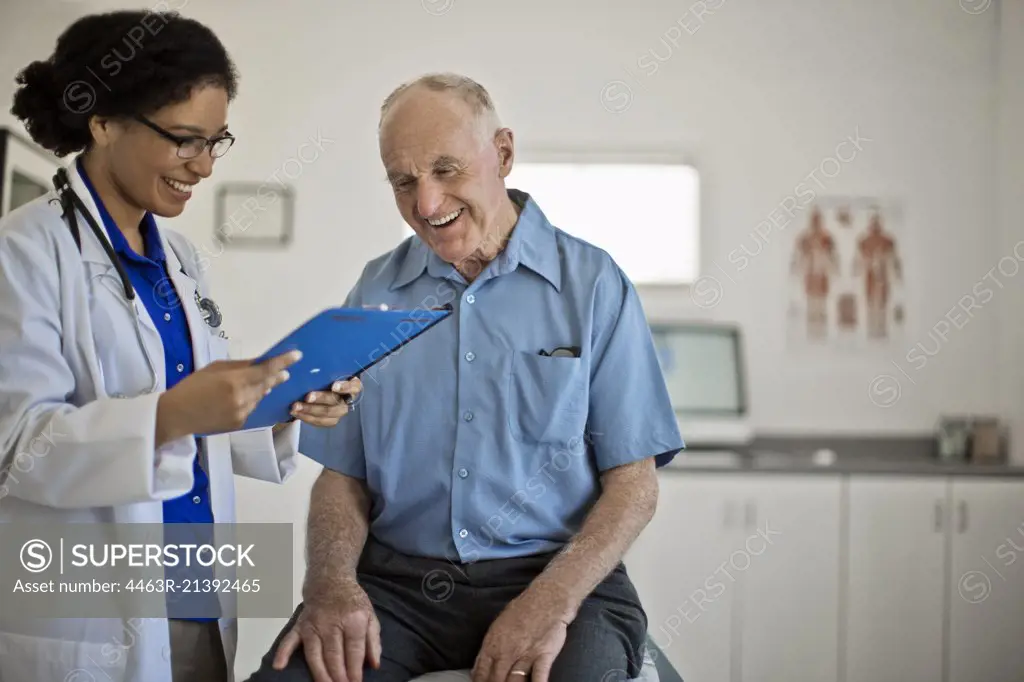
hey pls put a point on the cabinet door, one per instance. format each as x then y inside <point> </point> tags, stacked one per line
<point>788,563</point>
<point>676,566</point>
<point>987,581</point>
<point>895,594</point>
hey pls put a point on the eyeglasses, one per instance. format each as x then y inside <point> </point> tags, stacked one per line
<point>189,147</point>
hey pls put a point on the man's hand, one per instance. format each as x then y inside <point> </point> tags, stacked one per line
<point>525,638</point>
<point>339,633</point>
<point>529,634</point>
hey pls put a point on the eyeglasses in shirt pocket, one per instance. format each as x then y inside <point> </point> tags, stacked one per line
<point>547,398</point>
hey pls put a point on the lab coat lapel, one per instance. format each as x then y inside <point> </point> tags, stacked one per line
<point>98,262</point>
<point>186,288</point>
<point>92,249</point>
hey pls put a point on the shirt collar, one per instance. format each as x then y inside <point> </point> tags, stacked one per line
<point>533,244</point>
<point>150,234</point>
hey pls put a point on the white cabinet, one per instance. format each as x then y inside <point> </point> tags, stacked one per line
<point>986,615</point>
<point>762,577</point>
<point>789,617</point>
<point>738,575</point>
<point>895,578</point>
<point>675,566</point>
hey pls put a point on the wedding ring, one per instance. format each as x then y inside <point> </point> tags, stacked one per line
<point>517,672</point>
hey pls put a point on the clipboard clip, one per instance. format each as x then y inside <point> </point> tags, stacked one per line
<point>385,306</point>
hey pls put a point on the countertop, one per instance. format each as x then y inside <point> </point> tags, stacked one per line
<point>860,456</point>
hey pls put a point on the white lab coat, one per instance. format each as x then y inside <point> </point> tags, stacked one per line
<point>81,370</point>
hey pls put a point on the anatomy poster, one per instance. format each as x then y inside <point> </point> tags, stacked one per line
<point>846,285</point>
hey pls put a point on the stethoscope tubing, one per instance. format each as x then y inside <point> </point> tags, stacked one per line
<point>69,201</point>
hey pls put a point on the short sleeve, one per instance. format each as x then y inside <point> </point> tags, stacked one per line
<point>339,448</point>
<point>630,414</point>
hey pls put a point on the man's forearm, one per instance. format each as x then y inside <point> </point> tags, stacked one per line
<point>336,531</point>
<point>625,506</point>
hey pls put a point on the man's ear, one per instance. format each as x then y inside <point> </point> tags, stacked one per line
<point>504,142</point>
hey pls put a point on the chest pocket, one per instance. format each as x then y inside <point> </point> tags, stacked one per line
<point>547,398</point>
<point>219,347</point>
<point>126,369</point>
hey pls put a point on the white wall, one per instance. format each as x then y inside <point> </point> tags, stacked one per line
<point>1011,209</point>
<point>758,95</point>
<point>28,31</point>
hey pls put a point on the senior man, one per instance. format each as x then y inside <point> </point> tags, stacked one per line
<point>475,512</point>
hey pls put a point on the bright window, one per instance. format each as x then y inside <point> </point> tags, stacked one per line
<point>645,215</point>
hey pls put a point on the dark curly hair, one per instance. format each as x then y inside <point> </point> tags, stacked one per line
<point>117,64</point>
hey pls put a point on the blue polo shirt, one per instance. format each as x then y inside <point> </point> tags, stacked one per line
<point>150,278</point>
<point>477,440</point>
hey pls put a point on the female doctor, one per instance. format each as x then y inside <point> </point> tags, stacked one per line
<point>111,352</point>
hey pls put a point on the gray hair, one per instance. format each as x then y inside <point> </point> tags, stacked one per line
<point>465,87</point>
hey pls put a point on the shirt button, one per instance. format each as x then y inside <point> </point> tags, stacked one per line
<point>197,499</point>
<point>471,299</point>
<point>468,416</point>
<point>463,473</point>
<point>181,367</point>
<point>470,356</point>
<point>167,316</point>
<point>463,533</point>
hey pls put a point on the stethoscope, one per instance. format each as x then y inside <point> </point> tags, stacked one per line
<point>69,201</point>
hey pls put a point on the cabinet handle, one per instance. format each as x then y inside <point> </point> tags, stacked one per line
<point>963,516</point>
<point>938,516</point>
<point>751,515</point>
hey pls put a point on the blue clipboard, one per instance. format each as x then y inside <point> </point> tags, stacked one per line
<point>338,344</point>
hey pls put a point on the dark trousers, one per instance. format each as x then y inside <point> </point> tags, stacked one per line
<point>196,651</point>
<point>434,616</point>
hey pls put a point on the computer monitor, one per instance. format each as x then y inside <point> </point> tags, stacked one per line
<point>704,371</point>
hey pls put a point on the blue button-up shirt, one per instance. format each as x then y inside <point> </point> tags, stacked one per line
<point>473,443</point>
<point>151,280</point>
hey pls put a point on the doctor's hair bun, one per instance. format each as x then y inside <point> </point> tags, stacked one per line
<point>117,64</point>
<point>34,104</point>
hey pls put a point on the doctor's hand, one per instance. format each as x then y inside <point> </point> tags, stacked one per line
<point>338,631</point>
<point>326,408</point>
<point>219,397</point>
